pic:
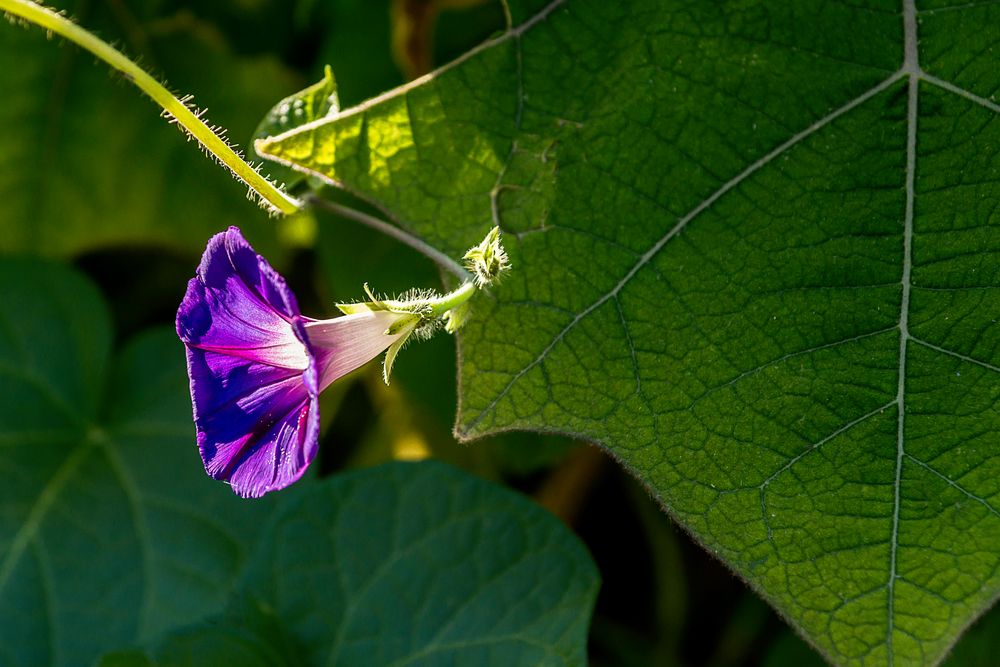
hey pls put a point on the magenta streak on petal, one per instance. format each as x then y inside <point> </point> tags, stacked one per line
<point>266,468</point>
<point>241,410</point>
<point>233,454</point>
<point>246,382</point>
<point>280,355</point>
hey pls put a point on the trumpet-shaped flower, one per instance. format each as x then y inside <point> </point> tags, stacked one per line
<point>257,365</point>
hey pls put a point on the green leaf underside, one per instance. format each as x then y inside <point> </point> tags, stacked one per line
<point>110,531</point>
<point>411,564</point>
<point>741,249</point>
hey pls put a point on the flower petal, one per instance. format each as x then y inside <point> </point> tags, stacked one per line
<point>253,374</point>
<point>344,344</point>
<point>264,441</point>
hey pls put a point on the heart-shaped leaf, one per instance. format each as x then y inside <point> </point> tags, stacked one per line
<point>754,248</point>
<point>110,531</point>
<point>404,564</point>
<point>248,636</point>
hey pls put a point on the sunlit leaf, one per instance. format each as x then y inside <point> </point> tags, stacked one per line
<point>313,103</point>
<point>754,256</point>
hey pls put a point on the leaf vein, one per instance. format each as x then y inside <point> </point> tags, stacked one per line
<point>961,92</point>
<point>912,65</point>
<point>957,355</point>
<point>931,469</point>
<point>677,227</point>
<point>32,524</point>
<point>783,358</point>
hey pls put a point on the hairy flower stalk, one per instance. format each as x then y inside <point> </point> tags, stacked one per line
<point>257,365</point>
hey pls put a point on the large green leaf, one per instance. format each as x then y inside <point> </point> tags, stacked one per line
<point>978,647</point>
<point>87,160</point>
<point>754,249</point>
<point>110,531</point>
<point>405,564</point>
<point>422,564</point>
<point>249,635</point>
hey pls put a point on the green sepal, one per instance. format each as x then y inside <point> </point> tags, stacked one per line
<point>456,317</point>
<point>401,325</point>
<point>390,354</point>
<point>488,260</point>
<point>375,304</point>
<point>374,299</point>
<point>353,308</point>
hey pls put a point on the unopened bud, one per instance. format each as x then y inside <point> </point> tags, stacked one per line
<point>488,260</point>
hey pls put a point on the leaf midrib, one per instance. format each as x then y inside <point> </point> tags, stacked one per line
<point>36,515</point>
<point>91,439</point>
<point>27,534</point>
<point>911,65</point>
<point>399,552</point>
<point>143,534</point>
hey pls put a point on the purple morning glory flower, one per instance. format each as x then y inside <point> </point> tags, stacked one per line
<point>257,365</point>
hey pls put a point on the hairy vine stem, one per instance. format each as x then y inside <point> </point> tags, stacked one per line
<point>191,121</point>
<point>214,144</point>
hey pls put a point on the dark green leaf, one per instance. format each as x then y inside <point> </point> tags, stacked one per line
<point>754,255</point>
<point>248,636</point>
<point>423,564</point>
<point>406,564</point>
<point>110,531</point>
<point>126,659</point>
<point>788,649</point>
